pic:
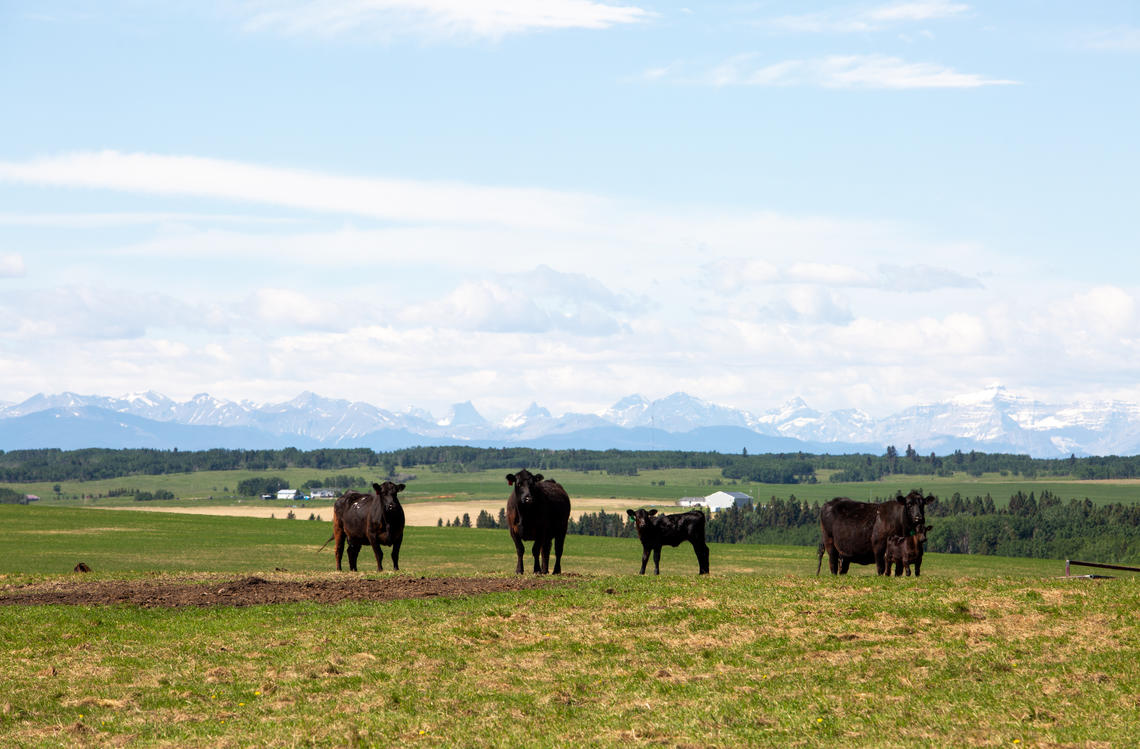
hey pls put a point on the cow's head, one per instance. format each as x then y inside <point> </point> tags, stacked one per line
<point>387,493</point>
<point>524,482</point>
<point>641,518</point>
<point>914,508</point>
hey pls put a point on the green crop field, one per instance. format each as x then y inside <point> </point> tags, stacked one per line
<point>980,650</point>
<point>649,486</point>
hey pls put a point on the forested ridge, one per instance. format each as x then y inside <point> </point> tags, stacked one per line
<point>787,468</point>
<point>1041,526</point>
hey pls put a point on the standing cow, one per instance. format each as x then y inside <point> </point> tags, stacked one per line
<point>903,551</point>
<point>376,519</point>
<point>858,531</point>
<point>537,510</point>
<point>657,530</point>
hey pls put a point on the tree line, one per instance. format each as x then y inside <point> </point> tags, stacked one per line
<point>103,463</point>
<point>775,468</point>
<point>1039,526</point>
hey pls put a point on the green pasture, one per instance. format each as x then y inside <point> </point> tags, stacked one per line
<point>52,540</point>
<point>648,487</point>
<point>978,651</point>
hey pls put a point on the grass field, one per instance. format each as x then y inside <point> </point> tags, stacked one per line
<point>980,650</point>
<point>649,487</point>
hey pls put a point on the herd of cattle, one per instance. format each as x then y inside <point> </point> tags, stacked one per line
<point>887,534</point>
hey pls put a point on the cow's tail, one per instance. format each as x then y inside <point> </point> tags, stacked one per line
<point>326,543</point>
<point>819,566</point>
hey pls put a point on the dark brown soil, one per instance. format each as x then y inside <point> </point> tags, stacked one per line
<point>251,591</point>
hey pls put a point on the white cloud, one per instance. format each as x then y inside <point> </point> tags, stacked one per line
<point>11,265</point>
<point>924,10</point>
<point>475,18</point>
<point>731,274</point>
<point>109,220</point>
<point>88,312</point>
<point>922,278</point>
<point>376,198</point>
<point>844,72</point>
<point>1120,39</point>
<point>1104,310</point>
<point>293,308</point>
<point>828,274</point>
<point>871,19</point>
<point>810,304</point>
<point>538,301</point>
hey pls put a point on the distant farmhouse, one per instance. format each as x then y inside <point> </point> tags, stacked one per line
<point>324,493</point>
<point>290,494</point>
<point>717,500</point>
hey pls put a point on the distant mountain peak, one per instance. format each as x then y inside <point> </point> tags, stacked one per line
<point>630,401</point>
<point>463,414</point>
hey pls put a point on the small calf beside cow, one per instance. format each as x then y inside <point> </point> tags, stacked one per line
<point>860,532</point>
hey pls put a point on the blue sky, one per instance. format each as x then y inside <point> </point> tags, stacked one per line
<point>416,202</point>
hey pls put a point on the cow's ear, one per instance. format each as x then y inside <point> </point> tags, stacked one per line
<point>900,499</point>
<point>511,479</point>
<point>401,487</point>
<point>928,528</point>
<point>652,512</point>
<point>930,500</point>
<point>537,477</point>
<point>375,487</point>
<point>630,513</point>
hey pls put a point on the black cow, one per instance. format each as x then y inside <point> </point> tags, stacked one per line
<point>903,551</point>
<point>858,531</point>
<point>657,530</point>
<point>375,519</point>
<point>537,510</point>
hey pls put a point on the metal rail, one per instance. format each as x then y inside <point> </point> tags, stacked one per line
<point>1099,566</point>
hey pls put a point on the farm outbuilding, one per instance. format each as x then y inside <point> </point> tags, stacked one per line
<point>717,500</point>
<point>723,500</point>
<point>289,494</point>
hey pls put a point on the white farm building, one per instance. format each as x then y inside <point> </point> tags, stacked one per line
<point>289,494</point>
<point>717,500</point>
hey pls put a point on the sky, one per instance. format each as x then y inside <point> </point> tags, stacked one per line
<point>867,205</point>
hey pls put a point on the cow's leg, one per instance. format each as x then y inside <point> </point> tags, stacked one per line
<point>880,562</point>
<point>559,542</point>
<point>339,548</point>
<point>396,554</point>
<point>644,559</point>
<point>536,552</point>
<point>546,556</point>
<point>702,557</point>
<point>657,560</point>
<point>833,559</point>
<point>353,553</point>
<point>917,566</point>
<point>519,550</point>
<point>379,552</point>
<point>844,563</point>
<point>908,570</point>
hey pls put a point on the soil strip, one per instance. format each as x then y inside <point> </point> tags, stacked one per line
<point>255,591</point>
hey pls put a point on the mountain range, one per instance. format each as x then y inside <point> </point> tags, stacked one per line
<point>992,420</point>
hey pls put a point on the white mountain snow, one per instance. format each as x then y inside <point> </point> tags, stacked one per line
<point>993,419</point>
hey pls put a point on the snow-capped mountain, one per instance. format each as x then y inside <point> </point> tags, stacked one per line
<point>993,420</point>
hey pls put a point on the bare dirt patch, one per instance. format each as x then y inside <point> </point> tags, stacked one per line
<point>253,591</point>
